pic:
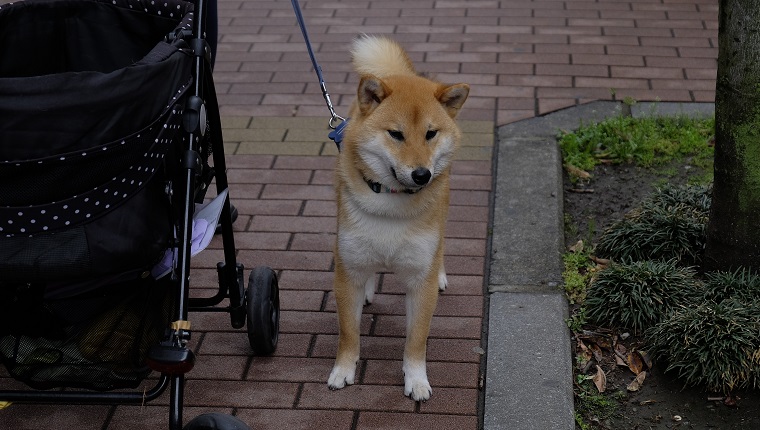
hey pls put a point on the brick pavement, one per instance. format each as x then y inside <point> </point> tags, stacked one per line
<point>523,58</point>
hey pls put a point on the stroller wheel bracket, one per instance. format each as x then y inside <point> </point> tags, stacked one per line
<point>191,160</point>
<point>194,117</point>
<point>238,311</point>
<point>201,48</point>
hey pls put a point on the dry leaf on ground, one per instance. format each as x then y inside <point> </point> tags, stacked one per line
<point>584,356</point>
<point>620,354</point>
<point>635,363</point>
<point>578,247</point>
<point>636,384</point>
<point>600,379</point>
<point>598,355</point>
<point>574,171</point>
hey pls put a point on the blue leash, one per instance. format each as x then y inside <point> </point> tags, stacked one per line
<point>337,133</point>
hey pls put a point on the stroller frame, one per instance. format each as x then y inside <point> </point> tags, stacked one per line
<point>172,357</point>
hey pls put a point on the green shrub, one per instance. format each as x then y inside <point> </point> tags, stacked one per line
<point>696,197</point>
<point>670,224</point>
<point>711,345</point>
<point>741,284</point>
<point>637,295</point>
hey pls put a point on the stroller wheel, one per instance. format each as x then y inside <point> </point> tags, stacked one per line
<point>216,421</point>
<point>263,302</point>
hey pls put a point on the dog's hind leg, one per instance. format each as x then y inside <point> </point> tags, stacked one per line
<point>369,290</point>
<point>349,296</point>
<point>443,282</point>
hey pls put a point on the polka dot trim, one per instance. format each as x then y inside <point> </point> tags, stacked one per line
<point>80,209</point>
<point>171,8</point>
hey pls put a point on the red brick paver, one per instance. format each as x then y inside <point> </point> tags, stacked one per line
<point>522,57</point>
<point>515,53</point>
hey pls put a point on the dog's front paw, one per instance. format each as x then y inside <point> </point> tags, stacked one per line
<point>418,389</point>
<point>416,383</point>
<point>341,376</point>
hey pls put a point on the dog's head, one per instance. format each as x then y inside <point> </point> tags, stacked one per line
<point>408,134</point>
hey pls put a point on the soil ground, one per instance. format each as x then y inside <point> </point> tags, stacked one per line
<point>662,402</point>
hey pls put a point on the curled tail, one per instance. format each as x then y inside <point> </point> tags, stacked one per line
<point>380,57</point>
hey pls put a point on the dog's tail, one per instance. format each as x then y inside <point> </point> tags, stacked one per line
<point>380,57</point>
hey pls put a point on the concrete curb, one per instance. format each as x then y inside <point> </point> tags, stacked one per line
<point>529,367</point>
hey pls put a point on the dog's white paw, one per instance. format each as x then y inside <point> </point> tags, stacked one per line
<point>341,376</point>
<point>369,291</point>
<point>443,282</point>
<point>418,389</point>
<point>416,383</point>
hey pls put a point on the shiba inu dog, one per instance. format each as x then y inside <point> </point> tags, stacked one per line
<point>392,189</point>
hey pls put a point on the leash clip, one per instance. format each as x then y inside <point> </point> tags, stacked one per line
<point>334,116</point>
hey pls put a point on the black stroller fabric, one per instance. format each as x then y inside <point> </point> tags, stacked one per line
<point>91,100</point>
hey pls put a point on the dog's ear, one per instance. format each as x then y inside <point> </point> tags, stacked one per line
<point>453,97</point>
<point>371,93</point>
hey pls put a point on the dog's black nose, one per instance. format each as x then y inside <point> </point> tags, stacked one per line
<point>421,176</point>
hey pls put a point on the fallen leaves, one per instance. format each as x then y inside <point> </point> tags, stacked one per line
<point>637,382</point>
<point>601,262</point>
<point>578,247</point>
<point>635,362</point>
<point>578,173</point>
<point>600,349</point>
<point>600,379</point>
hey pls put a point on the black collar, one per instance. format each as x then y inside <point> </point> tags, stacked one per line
<point>380,188</point>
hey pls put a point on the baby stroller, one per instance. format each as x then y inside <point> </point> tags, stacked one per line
<point>109,138</point>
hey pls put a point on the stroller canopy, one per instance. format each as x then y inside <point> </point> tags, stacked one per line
<point>80,73</point>
<point>92,94</point>
<point>90,101</point>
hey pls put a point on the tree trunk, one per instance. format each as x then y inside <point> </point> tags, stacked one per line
<point>733,233</point>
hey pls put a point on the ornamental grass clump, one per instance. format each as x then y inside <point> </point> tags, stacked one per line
<point>671,224</point>
<point>714,345</point>
<point>637,295</point>
<point>741,284</point>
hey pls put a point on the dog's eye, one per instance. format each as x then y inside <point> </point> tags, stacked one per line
<point>430,134</point>
<point>396,135</point>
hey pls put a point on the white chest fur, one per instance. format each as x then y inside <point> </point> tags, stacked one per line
<point>372,243</point>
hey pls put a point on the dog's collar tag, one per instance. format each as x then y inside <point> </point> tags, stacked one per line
<point>337,134</point>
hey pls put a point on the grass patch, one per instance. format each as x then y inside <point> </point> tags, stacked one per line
<point>577,273</point>
<point>592,406</point>
<point>647,142</point>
